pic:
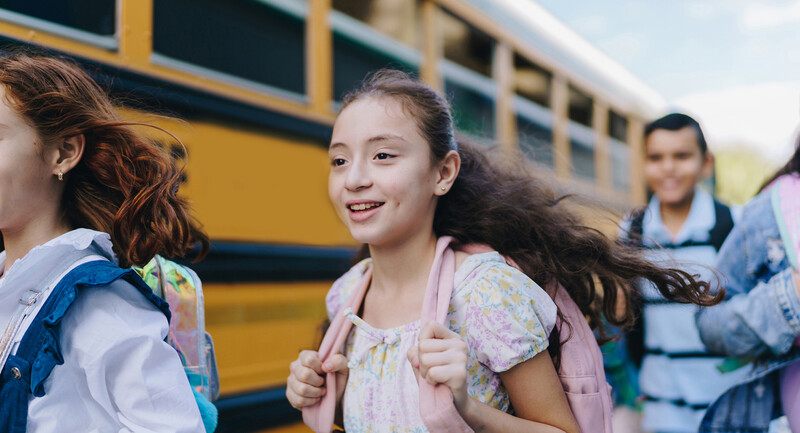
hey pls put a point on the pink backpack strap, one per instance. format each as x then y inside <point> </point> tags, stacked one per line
<point>785,193</point>
<point>436,401</point>
<point>319,417</point>
<point>581,370</point>
<point>436,406</point>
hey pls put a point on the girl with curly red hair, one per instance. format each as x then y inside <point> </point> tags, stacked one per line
<point>82,198</point>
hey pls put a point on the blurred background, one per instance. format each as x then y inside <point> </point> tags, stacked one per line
<point>252,87</point>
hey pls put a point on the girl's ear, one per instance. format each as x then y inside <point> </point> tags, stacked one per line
<point>447,173</point>
<point>67,153</point>
<point>707,169</point>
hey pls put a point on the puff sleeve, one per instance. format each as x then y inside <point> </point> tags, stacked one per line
<point>504,316</point>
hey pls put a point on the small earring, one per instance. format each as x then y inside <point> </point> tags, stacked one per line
<point>60,176</point>
<point>444,189</point>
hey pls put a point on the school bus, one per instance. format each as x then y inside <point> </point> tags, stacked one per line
<point>255,86</point>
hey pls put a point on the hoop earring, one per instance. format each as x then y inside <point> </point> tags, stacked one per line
<point>60,176</point>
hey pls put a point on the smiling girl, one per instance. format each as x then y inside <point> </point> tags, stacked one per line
<point>399,181</point>
<point>82,198</point>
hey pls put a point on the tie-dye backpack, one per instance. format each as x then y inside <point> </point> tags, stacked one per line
<point>181,288</point>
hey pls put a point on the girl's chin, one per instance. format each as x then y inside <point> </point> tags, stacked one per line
<point>373,239</point>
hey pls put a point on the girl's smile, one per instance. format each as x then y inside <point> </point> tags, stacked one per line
<point>363,210</point>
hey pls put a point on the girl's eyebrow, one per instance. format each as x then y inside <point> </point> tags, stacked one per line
<point>335,145</point>
<point>375,139</point>
<point>385,137</point>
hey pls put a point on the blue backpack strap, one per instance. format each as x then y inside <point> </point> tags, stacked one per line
<point>40,345</point>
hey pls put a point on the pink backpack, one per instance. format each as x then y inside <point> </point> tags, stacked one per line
<point>581,371</point>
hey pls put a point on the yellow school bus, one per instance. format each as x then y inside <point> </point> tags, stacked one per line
<point>256,84</point>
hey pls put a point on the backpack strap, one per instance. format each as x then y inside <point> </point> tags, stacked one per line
<point>436,406</point>
<point>636,230</point>
<point>320,416</point>
<point>786,208</point>
<point>40,345</point>
<point>722,226</point>
<point>437,410</point>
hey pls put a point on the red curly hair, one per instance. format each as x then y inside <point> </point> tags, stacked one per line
<point>125,184</point>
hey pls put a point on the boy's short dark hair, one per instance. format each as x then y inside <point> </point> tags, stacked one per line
<point>674,122</point>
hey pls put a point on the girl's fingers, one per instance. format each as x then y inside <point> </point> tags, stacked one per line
<point>449,374</point>
<point>306,375</point>
<point>437,345</point>
<point>305,390</point>
<point>413,356</point>
<point>302,394</point>
<point>336,363</point>
<point>436,330</point>
<point>300,403</point>
<point>310,359</point>
<point>431,359</point>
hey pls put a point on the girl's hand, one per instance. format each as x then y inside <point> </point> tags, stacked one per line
<point>441,357</point>
<point>306,382</point>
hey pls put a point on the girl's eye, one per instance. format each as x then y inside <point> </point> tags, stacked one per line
<point>383,155</point>
<point>336,162</point>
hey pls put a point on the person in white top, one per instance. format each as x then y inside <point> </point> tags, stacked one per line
<point>82,198</point>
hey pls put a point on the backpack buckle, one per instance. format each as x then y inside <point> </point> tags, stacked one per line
<point>30,297</point>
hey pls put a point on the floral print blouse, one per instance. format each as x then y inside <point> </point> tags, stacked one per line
<point>504,317</point>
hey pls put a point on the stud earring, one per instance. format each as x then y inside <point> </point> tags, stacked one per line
<point>444,189</point>
<point>60,176</point>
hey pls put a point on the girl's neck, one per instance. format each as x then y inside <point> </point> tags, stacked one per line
<point>20,242</point>
<point>403,265</point>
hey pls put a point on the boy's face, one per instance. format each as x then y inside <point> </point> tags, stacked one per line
<point>674,164</point>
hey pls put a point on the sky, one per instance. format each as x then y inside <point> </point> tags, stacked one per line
<point>733,64</point>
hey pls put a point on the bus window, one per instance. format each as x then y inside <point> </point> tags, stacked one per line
<point>618,149</point>
<point>532,85</point>
<point>581,135</point>
<point>94,17</point>
<point>580,107</point>
<point>257,45</point>
<point>358,49</point>
<point>620,163</point>
<point>398,19</point>
<point>531,81</point>
<point>582,150</point>
<point>535,141</point>
<point>467,72</point>
<point>354,59</point>
<point>473,110</point>
<point>617,126</point>
<point>466,45</point>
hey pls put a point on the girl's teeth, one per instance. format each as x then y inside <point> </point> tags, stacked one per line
<point>363,206</point>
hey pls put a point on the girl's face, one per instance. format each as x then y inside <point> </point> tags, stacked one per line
<point>382,182</point>
<point>26,180</point>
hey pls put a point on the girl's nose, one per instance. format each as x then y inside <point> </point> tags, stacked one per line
<point>357,177</point>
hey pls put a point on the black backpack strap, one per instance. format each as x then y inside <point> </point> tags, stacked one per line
<point>634,340</point>
<point>723,225</point>
<point>636,230</point>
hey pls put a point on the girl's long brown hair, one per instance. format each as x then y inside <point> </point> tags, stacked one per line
<point>500,203</point>
<point>125,184</point>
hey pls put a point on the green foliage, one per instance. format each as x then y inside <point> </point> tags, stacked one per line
<point>740,173</point>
